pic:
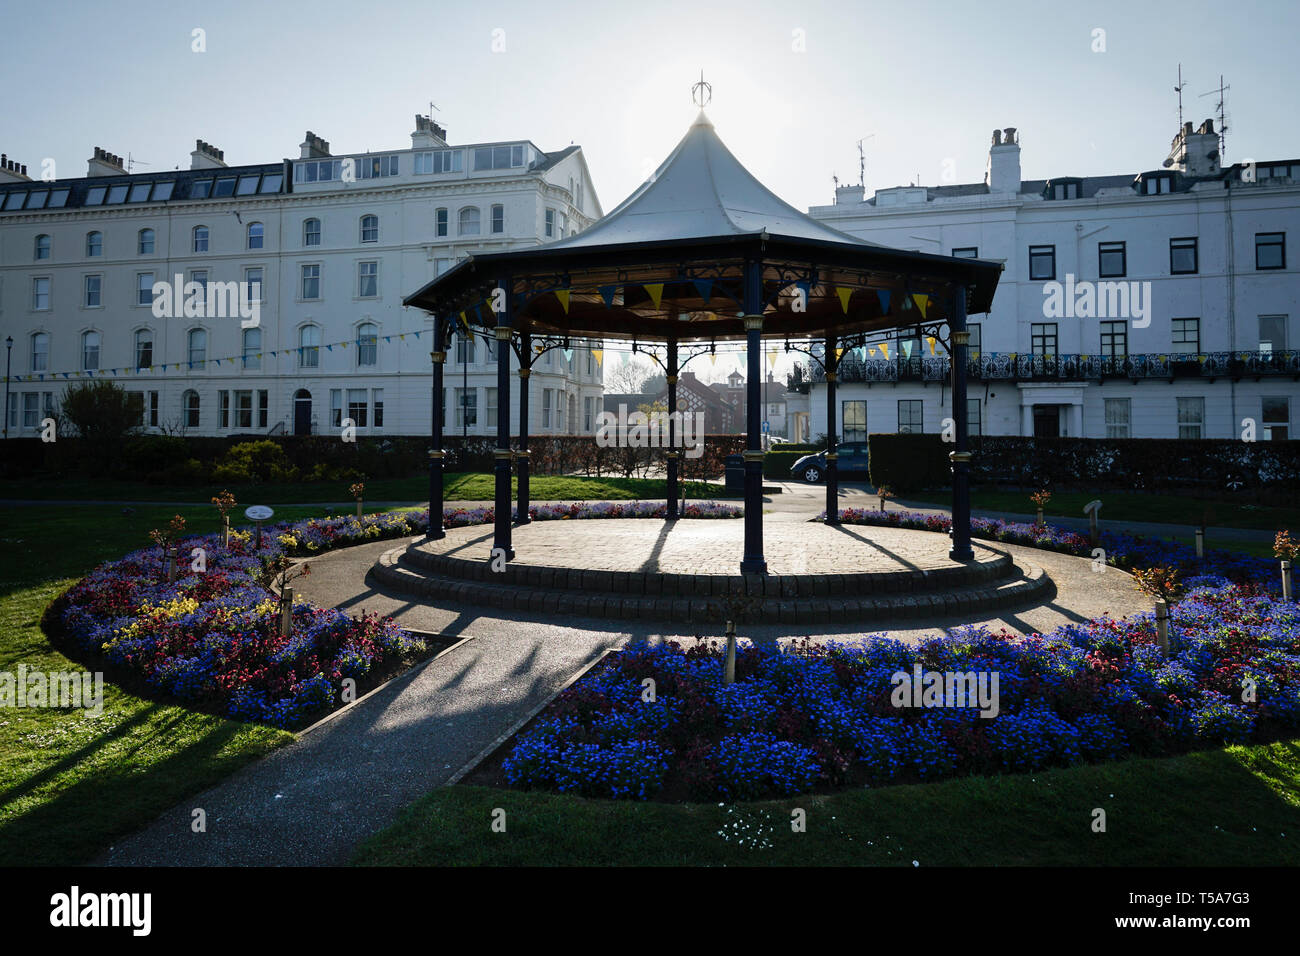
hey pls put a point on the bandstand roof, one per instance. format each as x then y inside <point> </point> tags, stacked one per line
<point>668,262</point>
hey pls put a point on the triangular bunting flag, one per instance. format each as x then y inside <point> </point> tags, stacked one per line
<point>563,296</point>
<point>884,349</point>
<point>599,355</point>
<point>568,354</point>
<point>607,293</point>
<point>705,288</point>
<point>907,348</point>
<point>845,293</point>
<point>838,353</point>
<point>883,296</point>
<point>931,339</point>
<point>922,303</point>
<point>655,290</point>
<point>873,350</point>
<point>771,358</point>
<point>713,358</point>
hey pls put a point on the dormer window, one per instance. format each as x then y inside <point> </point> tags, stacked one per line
<point>1062,189</point>
<point>1155,184</point>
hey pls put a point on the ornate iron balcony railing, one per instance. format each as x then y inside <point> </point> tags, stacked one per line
<point>1025,367</point>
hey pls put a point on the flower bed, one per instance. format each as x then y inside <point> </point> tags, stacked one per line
<point>817,717</point>
<point>211,639</point>
<point>1122,550</point>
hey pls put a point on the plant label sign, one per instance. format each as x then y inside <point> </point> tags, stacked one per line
<point>258,513</point>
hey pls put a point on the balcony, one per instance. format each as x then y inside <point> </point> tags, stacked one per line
<point>1023,367</point>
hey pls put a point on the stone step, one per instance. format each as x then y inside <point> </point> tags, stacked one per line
<point>987,570</point>
<point>1021,585</point>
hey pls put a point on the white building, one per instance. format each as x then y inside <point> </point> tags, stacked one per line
<point>1178,301</point>
<point>326,244</point>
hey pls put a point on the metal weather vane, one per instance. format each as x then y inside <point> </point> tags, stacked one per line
<point>701,92</point>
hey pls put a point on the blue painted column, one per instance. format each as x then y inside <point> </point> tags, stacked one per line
<point>439,356</point>
<point>674,456</point>
<point>832,366</point>
<point>503,456</point>
<point>753,561</point>
<point>525,371</point>
<point>961,549</point>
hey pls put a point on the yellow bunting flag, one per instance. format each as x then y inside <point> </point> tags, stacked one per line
<point>922,303</point>
<point>845,293</point>
<point>599,355</point>
<point>464,322</point>
<point>656,290</point>
<point>563,296</point>
<point>884,349</point>
<point>771,357</point>
<point>872,350</point>
<point>713,358</point>
<point>931,340</point>
<point>838,353</point>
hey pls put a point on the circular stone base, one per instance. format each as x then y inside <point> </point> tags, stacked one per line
<point>645,568</point>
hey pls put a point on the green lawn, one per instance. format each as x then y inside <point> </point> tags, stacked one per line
<point>1238,806</point>
<point>71,784</point>
<point>1129,506</point>
<point>456,487</point>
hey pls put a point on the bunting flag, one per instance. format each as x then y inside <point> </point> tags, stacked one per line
<point>845,293</point>
<point>656,291</point>
<point>713,358</point>
<point>907,348</point>
<point>838,353</point>
<point>607,293</point>
<point>873,350</point>
<point>599,355</point>
<point>884,349</point>
<point>771,358</point>
<point>568,354</point>
<point>883,296</point>
<point>705,288</point>
<point>922,303</point>
<point>861,353</point>
<point>931,340</point>
<point>563,296</point>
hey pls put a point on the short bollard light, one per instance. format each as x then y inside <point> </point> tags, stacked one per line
<point>729,664</point>
<point>1200,542</point>
<point>1162,625</point>
<point>286,611</point>
<point>1286,579</point>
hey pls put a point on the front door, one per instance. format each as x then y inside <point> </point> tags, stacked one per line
<point>1047,421</point>
<point>302,413</point>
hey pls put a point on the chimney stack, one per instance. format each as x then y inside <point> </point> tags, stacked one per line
<point>1195,151</point>
<point>207,156</point>
<point>11,171</point>
<point>848,194</point>
<point>428,134</point>
<point>104,163</point>
<point>313,147</point>
<point>1003,172</point>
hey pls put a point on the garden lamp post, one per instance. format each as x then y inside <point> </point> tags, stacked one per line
<point>9,355</point>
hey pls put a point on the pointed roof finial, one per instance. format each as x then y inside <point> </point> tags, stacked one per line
<point>702,92</point>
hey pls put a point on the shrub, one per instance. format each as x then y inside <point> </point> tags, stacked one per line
<point>254,461</point>
<point>909,462</point>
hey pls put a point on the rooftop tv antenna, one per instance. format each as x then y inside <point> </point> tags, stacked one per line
<point>132,162</point>
<point>862,160</point>
<point>1179,90</point>
<point>1223,119</point>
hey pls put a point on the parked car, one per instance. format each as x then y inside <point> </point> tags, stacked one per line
<point>851,458</point>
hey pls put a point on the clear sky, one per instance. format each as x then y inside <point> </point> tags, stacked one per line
<point>796,84</point>
<point>930,79</point>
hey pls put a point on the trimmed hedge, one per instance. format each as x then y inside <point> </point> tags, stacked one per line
<point>777,464</point>
<point>909,462</point>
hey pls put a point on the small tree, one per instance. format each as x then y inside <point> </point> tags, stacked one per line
<point>225,502</point>
<point>168,538</point>
<point>102,416</point>
<point>1040,499</point>
<point>1160,582</point>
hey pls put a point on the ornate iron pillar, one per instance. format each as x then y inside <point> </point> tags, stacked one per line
<point>674,458</point>
<point>832,366</point>
<point>525,371</point>
<point>961,549</point>
<point>753,561</point>
<point>439,355</point>
<point>503,455</point>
